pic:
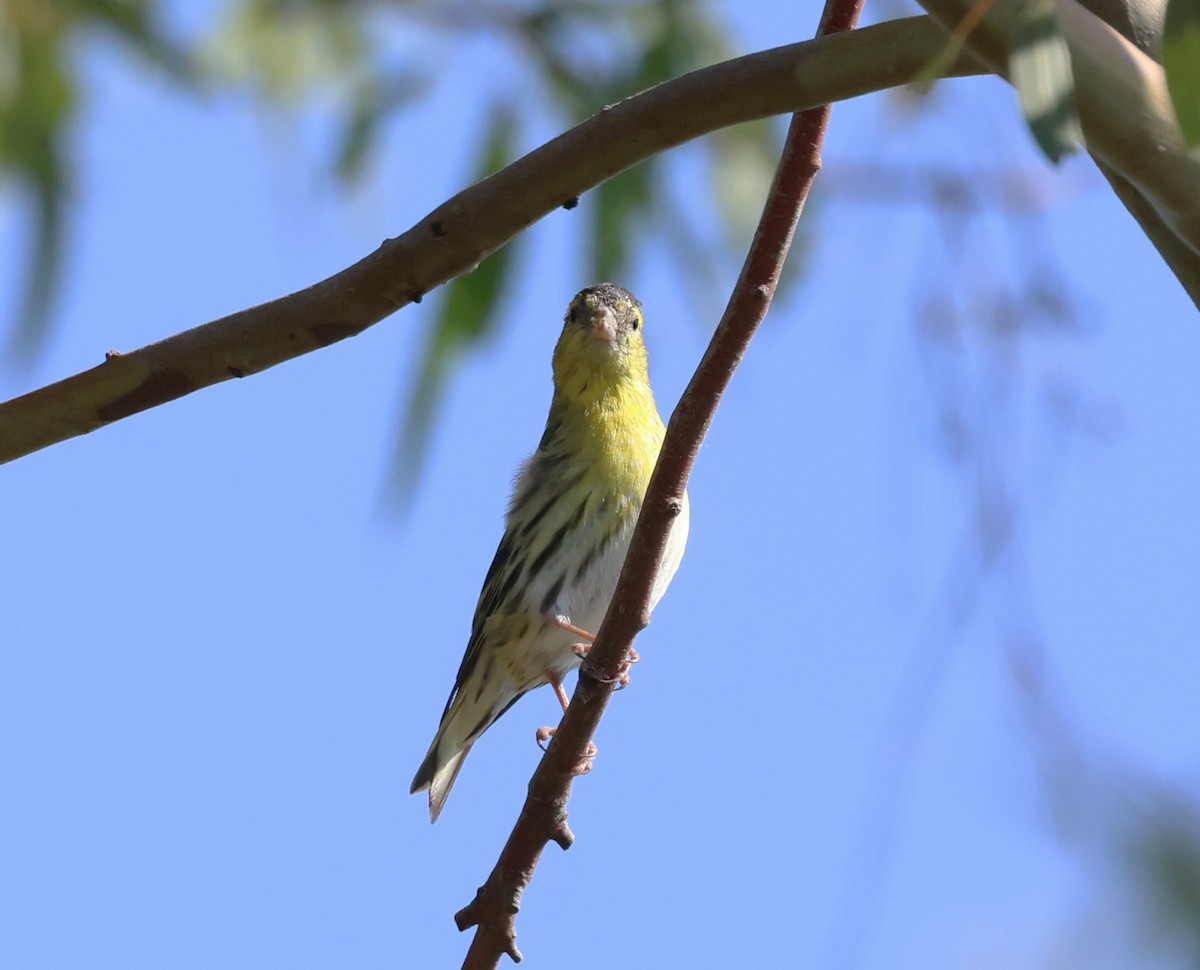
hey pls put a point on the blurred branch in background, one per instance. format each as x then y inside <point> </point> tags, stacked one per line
<point>1136,837</point>
<point>1004,406</point>
<point>1001,408</point>
<point>1116,82</point>
<point>949,189</point>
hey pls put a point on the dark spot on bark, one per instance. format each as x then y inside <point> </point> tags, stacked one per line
<point>417,297</point>
<point>437,227</point>
<point>236,371</point>
<point>571,203</point>
<point>330,333</point>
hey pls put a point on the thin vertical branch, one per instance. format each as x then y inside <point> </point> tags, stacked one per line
<point>543,817</point>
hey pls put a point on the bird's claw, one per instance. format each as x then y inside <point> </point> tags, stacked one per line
<point>623,678</point>
<point>585,763</point>
<point>544,734</point>
<point>581,650</point>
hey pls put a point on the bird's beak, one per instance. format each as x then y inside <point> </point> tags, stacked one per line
<point>603,323</point>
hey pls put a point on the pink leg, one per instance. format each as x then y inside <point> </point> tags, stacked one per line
<point>563,624</point>
<point>544,734</point>
<point>559,690</point>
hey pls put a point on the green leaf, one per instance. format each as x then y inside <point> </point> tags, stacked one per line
<point>134,21</point>
<point>35,109</point>
<point>38,94</point>
<point>45,265</point>
<point>289,51</point>
<point>466,319</point>
<point>742,162</point>
<point>1181,59</point>
<point>1040,70</point>
<point>373,102</point>
<point>615,207</point>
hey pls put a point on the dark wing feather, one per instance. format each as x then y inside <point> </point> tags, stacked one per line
<point>503,573</point>
<point>511,561</point>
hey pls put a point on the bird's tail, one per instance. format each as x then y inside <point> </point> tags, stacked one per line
<point>461,727</point>
<point>437,773</point>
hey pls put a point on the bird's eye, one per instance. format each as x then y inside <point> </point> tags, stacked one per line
<point>573,315</point>
<point>636,322</point>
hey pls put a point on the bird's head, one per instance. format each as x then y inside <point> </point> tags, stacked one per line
<point>601,342</point>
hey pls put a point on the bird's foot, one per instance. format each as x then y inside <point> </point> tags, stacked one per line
<point>581,650</point>
<point>544,734</point>
<point>585,763</point>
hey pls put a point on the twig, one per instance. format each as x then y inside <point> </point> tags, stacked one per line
<point>543,818</point>
<point>453,238</point>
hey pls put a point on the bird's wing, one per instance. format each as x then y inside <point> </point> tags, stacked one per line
<point>502,576</point>
<point>516,555</point>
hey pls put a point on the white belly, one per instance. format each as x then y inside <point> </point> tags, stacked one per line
<point>583,601</point>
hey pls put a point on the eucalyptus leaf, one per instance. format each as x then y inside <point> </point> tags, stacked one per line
<point>38,95</point>
<point>34,113</point>
<point>371,106</point>
<point>466,319</point>
<point>742,162</point>
<point>1040,70</point>
<point>1181,59</point>
<point>615,207</point>
<point>134,21</point>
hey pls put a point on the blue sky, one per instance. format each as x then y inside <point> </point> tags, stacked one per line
<point>224,659</point>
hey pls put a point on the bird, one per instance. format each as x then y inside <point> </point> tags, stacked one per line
<point>569,521</point>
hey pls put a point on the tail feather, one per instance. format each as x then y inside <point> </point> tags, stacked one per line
<point>469,713</point>
<point>464,721</point>
<point>438,776</point>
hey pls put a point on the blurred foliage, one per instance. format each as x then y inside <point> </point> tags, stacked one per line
<point>346,56</point>
<point>465,319</point>
<point>352,60</point>
<point>39,96</point>
<point>1181,60</point>
<point>1165,855</point>
<point>1040,66</point>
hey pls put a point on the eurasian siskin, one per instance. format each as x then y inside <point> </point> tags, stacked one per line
<point>569,522</point>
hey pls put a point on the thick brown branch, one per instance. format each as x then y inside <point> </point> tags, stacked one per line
<point>544,815</point>
<point>453,238</point>
<point>1125,110</point>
